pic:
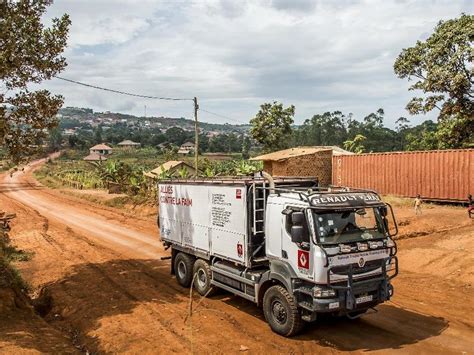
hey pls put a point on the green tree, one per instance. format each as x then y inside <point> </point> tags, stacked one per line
<point>422,137</point>
<point>326,129</point>
<point>98,135</point>
<point>402,125</point>
<point>271,127</point>
<point>356,145</point>
<point>29,53</point>
<point>73,141</point>
<point>55,139</point>
<point>246,145</point>
<point>443,71</point>
<point>176,135</point>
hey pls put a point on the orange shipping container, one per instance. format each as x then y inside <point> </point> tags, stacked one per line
<point>446,175</point>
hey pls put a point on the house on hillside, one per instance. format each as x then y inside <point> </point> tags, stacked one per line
<point>302,161</point>
<point>101,149</point>
<point>128,144</point>
<point>186,148</point>
<point>95,157</point>
<point>171,168</point>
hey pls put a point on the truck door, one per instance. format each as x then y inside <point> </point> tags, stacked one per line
<point>298,254</point>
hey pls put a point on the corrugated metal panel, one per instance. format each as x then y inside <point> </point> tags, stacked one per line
<point>438,175</point>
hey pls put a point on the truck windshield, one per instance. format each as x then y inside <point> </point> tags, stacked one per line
<point>353,225</point>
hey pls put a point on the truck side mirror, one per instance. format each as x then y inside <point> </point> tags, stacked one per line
<point>297,234</point>
<point>389,220</point>
<point>297,218</point>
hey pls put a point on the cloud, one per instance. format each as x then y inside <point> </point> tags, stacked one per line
<point>234,55</point>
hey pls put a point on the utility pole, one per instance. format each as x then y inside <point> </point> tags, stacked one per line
<point>196,138</point>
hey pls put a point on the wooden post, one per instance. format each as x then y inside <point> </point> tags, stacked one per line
<point>196,138</point>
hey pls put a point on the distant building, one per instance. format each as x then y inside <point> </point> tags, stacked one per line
<point>186,148</point>
<point>303,161</point>
<point>128,144</point>
<point>69,132</point>
<point>95,157</point>
<point>101,149</point>
<point>171,168</point>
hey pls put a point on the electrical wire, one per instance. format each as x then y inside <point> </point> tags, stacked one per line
<point>123,92</point>
<point>223,116</point>
<point>148,97</point>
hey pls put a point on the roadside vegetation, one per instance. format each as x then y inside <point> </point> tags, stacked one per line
<point>123,173</point>
<point>9,275</point>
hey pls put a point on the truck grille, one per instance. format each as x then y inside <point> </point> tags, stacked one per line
<point>369,266</point>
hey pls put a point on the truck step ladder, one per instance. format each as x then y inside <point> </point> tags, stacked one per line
<point>259,198</point>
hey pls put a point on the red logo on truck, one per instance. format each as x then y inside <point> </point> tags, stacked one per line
<point>238,194</point>
<point>240,250</point>
<point>303,259</point>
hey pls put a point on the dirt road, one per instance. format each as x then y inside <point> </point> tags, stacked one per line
<point>109,291</point>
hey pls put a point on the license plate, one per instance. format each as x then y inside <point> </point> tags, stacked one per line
<point>364,299</point>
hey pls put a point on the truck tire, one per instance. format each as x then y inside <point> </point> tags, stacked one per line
<point>281,311</point>
<point>202,278</point>
<point>183,268</point>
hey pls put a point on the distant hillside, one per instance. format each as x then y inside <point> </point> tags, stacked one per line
<point>87,115</point>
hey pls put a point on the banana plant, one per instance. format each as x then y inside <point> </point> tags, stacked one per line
<point>245,168</point>
<point>164,174</point>
<point>183,173</point>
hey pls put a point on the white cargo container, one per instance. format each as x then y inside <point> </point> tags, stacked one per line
<point>285,244</point>
<point>209,219</point>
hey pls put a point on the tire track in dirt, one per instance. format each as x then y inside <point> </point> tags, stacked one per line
<point>221,314</point>
<point>180,310</point>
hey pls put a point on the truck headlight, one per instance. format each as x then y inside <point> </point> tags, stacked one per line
<point>344,248</point>
<point>375,245</point>
<point>362,246</point>
<point>390,243</point>
<point>319,292</point>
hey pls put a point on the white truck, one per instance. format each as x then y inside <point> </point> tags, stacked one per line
<point>286,244</point>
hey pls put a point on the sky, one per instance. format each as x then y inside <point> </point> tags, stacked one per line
<point>234,55</point>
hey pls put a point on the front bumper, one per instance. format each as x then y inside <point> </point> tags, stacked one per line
<point>347,301</point>
<point>356,293</point>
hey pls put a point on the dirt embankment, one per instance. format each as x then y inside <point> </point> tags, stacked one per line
<point>110,292</point>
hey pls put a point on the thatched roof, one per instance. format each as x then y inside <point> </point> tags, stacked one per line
<point>101,146</point>
<point>95,157</point>
<point>128,142</point>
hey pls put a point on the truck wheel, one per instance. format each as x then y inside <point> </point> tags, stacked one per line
<point>183,268</point>
<point>202,275</point>
<point>281,311</point>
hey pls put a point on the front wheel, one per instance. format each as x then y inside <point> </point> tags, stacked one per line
<point>281,311</point>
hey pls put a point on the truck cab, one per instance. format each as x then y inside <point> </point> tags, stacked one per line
<point>333,249</point>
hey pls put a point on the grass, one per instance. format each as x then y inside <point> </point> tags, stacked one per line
<point>11,277</point>
<point>12,254</point>
<point>9,274</point>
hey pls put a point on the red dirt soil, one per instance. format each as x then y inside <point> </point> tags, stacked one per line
<point>110,292</point>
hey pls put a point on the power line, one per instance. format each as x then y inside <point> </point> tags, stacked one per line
<point>123,92</point>
<point>223,116</point>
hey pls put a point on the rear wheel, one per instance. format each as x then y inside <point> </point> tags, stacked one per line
<point>183,268</point>
<point>202,278</point>
<point>281,311</point>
